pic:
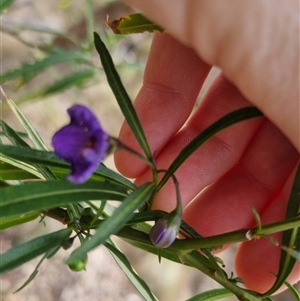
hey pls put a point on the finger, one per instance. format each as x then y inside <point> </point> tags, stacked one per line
<point>256,180</point>
<point>239,37</point>
<point>257,261</point>
<point>216,156</point>
<point>173,78</point>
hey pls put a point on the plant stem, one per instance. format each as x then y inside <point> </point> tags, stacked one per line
<point>236,236</point>
<point>120,146</point>
<point>192,260</point>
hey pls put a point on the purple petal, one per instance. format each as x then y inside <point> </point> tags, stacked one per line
<point>82,143</point>
<point>161,234</point>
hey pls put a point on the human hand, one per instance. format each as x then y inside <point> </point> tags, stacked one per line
<point>251,163</point>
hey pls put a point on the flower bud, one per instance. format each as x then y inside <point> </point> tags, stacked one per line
<point>165,230</point>
<point>67,243</point>
<point>79,265</point>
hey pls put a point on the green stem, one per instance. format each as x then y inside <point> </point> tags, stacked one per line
<point>192,260</point>
<point>236,236</point>
<point>99,212</point>
<point>120,146</point>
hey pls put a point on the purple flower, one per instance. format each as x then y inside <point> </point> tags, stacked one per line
<point>165,230</point>
<point>82,143</point>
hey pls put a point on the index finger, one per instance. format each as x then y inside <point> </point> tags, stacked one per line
<point>173,78</point>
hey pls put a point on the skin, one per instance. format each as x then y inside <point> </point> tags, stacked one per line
<point>256,46</point>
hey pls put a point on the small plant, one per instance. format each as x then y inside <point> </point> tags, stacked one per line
<point>71,185</point>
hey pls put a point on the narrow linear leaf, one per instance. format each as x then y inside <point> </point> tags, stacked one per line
<point>46,158</point>
<point>30,70</point>
<point>114,223</point>
<point>48,254</point>
<point>12,135</point>
<point>12,169</point>
<point>131,274</point>
<point>293,291</point>
<point>121,95</point>
<point>30,278</point>
<point>37,196</point>
<point>27,251</point>
<point>8,222</point>
<point>33,135</point>
<point>212,295</point>
<point>290,238</point>
<point>134,23</point>
<point>21,134</point>
<point>224,122</point>
<point>77,78</point>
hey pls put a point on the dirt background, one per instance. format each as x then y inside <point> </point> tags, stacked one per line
<point>103,279</point>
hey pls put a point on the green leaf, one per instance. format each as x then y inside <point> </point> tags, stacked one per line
<point>5,4</point>
<point>30,70</point>
<point>46,158</point>
<point>11,221</point>
<point>121,95</point>
<point>13,172</point>
<point>36,196</point>
<point>114,223</point>
<point>290,238</point>
<point>12,135</point>
<point>224,122</point>
<point>293,291</point>
<point>27,251</point>
<point>132,275</point>
<point>134,23</point>
<point>215,294</point>
<point>30,278</point>
<point>32,133</point>
<point>75,79</point>
<point>49,254</point>
<point>20,134</point>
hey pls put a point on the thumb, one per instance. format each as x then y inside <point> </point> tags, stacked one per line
<point>255,43</point>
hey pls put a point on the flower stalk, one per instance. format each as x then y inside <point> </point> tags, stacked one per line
<point>84,144</point>
<point>165,229</point>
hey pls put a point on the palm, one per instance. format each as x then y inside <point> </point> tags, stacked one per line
<point>248,164</point>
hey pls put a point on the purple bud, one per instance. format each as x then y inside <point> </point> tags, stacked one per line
<point>82,143</point>
<point>165,230</point>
